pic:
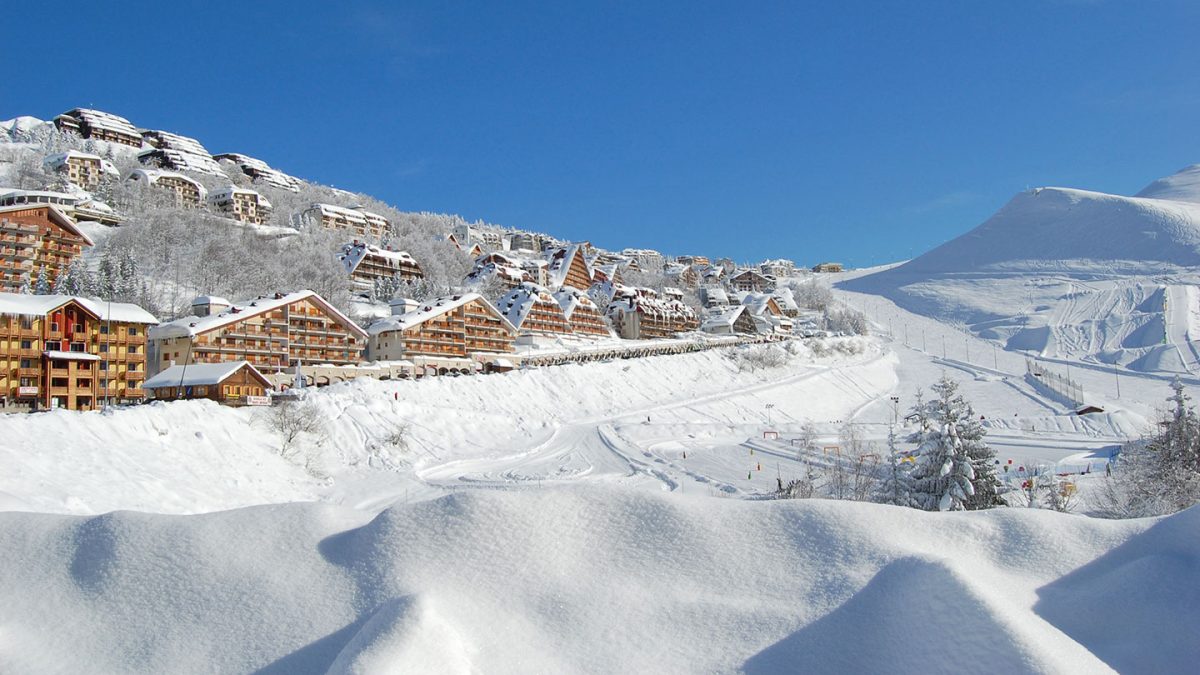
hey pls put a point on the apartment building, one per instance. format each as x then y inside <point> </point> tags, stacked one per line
<point>241,204</point>
<point>36,240</point>
<point>534,312</point>
<point>357,220</point>
<point>453,327</point>
<point>60,351</point>
<point>184,191</point>
<point>99,125</point>
<point>367,264</point>
<point>260,171</point>
<point>84,169</point>
<point>272,332</point>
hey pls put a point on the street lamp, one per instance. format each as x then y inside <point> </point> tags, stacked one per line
<point>769,406</point>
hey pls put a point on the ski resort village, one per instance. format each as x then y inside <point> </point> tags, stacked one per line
<point>254,423</point>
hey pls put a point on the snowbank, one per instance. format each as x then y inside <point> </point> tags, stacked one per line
<point>597,580</point>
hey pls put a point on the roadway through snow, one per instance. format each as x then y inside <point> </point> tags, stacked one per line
<point>628,446</point>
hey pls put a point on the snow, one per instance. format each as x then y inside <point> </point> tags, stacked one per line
<point>16,304</point>
<point>70,356</point>
<point>429,310</point>
<point>152,176</point>
<point>194,325</point>
<point>596,579</point>
<point>196,374</point>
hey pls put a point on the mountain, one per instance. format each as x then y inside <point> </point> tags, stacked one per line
<point>1072,273</point>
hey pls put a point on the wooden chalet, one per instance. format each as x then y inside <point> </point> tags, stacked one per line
<point>99,125</point>
<point>357,220</point>
<point>534,311</point>
<point>730,321</point>
<point>234,383</point>
<point>271,332</point>
<point>184,190</point>
<point>766,308</point>
<point>67,352</point>
<point>241,204</point>
<point>583,314</point>
<point>568,267</point>
<point>455,326</point>
<point>81,168</point>
<point>36,240</point>
<point>751,281</point>
<point>367,264</point>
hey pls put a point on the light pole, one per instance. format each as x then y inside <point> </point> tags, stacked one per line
<point>769,406</point>
<point>895,409</point>
<point>995,358</point>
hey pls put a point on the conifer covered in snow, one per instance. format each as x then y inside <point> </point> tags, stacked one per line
<point>1159,474</point>
<point>896,485</point>
<point>953,470</point>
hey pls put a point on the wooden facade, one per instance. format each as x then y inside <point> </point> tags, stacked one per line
<point>569,268</point>
<point>454,326</point>
<point>36,240</point>
<point>70,353</point>
<point>367,263</point>
<point>752,281</point>
<point>641,317</point>
<point>271,333</point>
<point>534,311</point>
<point>240,384</point>
<point>583,314</point>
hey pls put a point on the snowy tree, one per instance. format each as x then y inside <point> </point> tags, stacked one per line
<point>1159,474</point>
<point>76,280</point>
<point>43,285</point>
<point>954,468</point>
<point>896,486</point>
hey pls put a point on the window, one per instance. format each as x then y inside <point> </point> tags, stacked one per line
<point>26,344</point>
<point>133,330</point>
<point>78,328</point>
<point>53,345</point>
<point>202,391</point>
<point>103,329</point>
<point>104,348</point>
<point>53,326</point>
<point>77,347</point>
<point>104,365</point>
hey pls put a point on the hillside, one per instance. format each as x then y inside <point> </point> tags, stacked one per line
<point>1070,273</point>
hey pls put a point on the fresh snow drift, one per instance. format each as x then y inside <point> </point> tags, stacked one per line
<point>593,580</point>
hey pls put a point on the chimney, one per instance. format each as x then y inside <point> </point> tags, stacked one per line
<point>403,306</point>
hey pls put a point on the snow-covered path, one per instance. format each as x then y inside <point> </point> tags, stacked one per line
<point>1183,324</point>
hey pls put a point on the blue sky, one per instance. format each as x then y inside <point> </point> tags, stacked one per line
<point>858,131</point>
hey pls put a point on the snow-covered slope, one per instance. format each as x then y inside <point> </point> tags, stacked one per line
<point>572,580</point>
<point>1069,273</point>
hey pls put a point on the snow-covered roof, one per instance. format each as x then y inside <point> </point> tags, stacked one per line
<point>195,325</point>
<point>259,170</point>
<point>70,356</point>
<point>429,310</point>
<point>198,374</point>
<point>571,298</point>
<point>18,304</point>
<point>714,295</point>
<point>723,319</point>
<point>355,215</point>
<point>182,161</point>
<point>56,214</point>
<point>37,197</point>
<point>59,159</point>
<point>166,139</point>
<point>98,119</point>
<point>758,302</point>
<point>230,191</point>
<point>786,299</point>
<point>354,253</point>
<point>210,300</point>
<point>152,176</point>
<point>520,301</point>
<point>560,264</point>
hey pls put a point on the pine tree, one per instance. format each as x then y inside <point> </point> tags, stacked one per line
<point>896,487</point>
<point>954,467</point>
<point>42,286</point>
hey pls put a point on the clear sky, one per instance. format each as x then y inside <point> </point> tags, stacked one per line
<point>857,131</point>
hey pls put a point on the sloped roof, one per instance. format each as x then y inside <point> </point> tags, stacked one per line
<point>260,170</point>
<point>518,304</point>
<point>152,176</point>
<point>724,318</point>
<point>195,325</point>
<point>199,374</point>
<point>39,305</point>
<point>561,260</point>
<point>56,215</point>
<point>434,308</point>
<point>353,254</point>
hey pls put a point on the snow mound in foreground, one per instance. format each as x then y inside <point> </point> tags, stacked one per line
<point>591,579</point>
